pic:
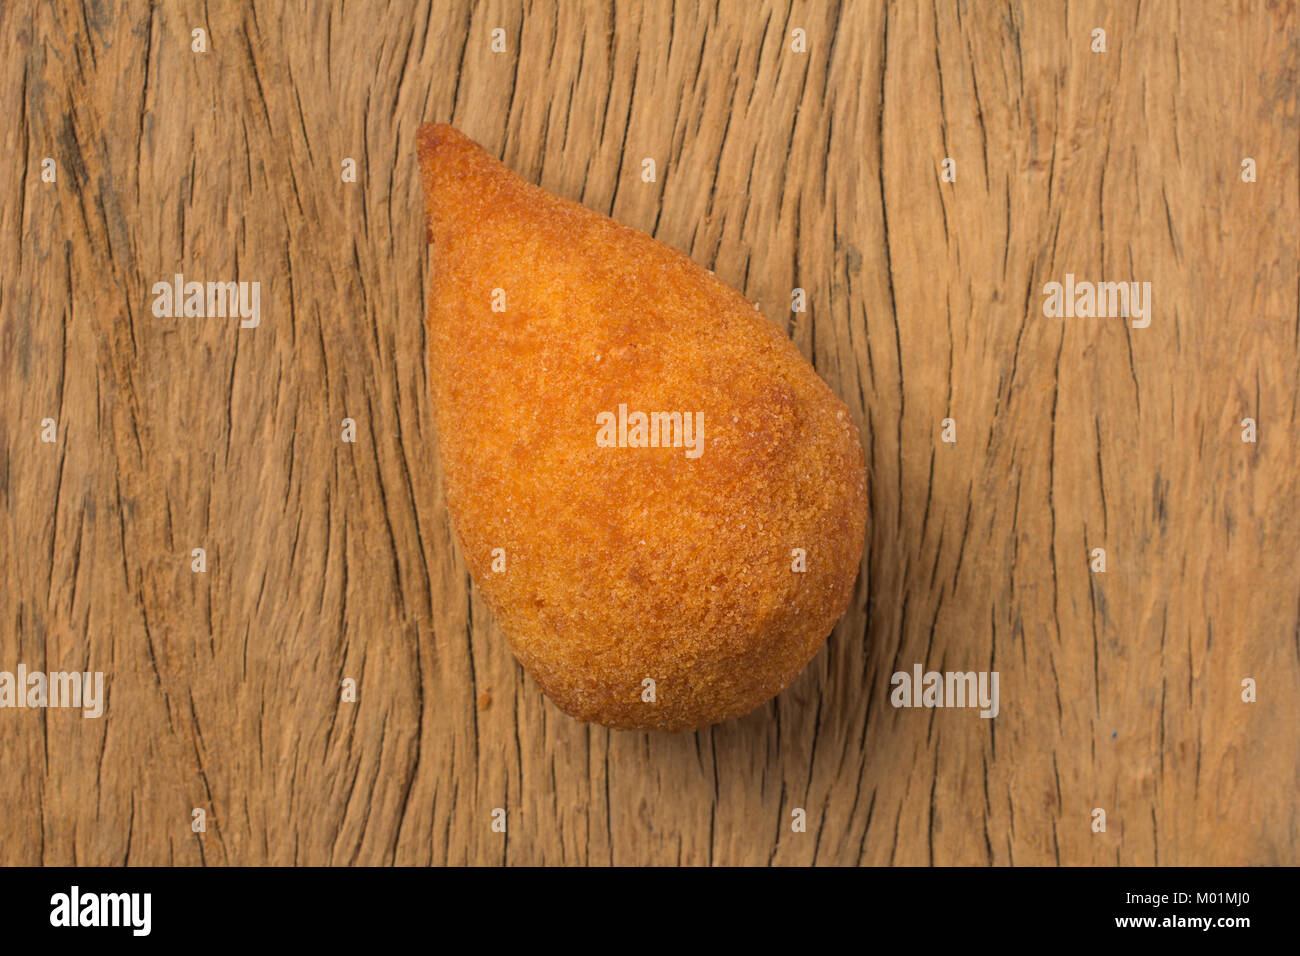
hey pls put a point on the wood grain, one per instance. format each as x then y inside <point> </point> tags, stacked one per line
<point>820,170</point>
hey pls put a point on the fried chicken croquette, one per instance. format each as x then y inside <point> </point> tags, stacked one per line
<point>662,504</point>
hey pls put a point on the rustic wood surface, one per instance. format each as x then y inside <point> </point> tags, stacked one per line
<point>778,169</point>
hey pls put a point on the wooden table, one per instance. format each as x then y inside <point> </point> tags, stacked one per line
<point>823,170</point>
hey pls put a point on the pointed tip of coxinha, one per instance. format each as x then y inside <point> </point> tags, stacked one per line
<point>431,135</point>
<point>436,141</point>
<point>475,206</point>
<point>439,146</point>
<point>468,190</point>
<point>446,154</point>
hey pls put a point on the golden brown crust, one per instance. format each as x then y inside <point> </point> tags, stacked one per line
<point>623,564</point>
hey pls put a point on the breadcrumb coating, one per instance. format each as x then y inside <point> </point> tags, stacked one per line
<point>608,567</point>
